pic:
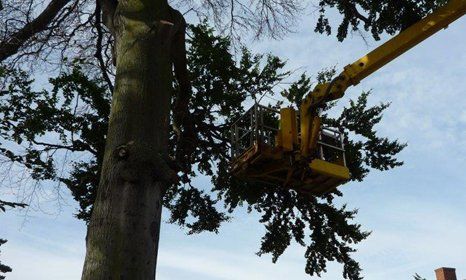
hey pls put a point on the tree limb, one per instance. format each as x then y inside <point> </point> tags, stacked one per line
<point>357,14</point>
<point>98,53</point>
<point>108,11</point>
<point>39,24</point>
<point>3,204</point>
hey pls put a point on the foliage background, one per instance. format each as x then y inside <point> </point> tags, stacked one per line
<point>389,28</point>
<point>72,118</point>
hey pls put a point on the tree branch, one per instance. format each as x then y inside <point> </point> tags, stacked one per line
<point>73,148</point>
<point>10,204</point>
<point>98,53</point>
<point>357,14</point>
<point>11,46</point>
<point>108,11</point>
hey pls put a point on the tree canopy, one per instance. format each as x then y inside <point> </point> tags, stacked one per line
<point>31,31</point>
<point>68,121</point>
<point>374,16</point>
<point>38,127</point>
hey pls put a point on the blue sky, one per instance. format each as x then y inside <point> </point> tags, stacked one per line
<point>416,213</point>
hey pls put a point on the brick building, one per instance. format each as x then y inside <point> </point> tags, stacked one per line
<point>445,273</point>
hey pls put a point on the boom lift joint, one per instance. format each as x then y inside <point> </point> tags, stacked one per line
<point>268,146</point>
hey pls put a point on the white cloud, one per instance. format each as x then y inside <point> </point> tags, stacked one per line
<point>30,263</point>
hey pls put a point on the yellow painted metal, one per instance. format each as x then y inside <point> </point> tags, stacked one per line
<point>315,131</point>
<point>404,41</point>
<point>305,129</point>
<point>363,67</point>
<point>308,112</point>
<point>330,169</point>
<point>278,139</point>
<point>271,164</point>
<point>288,129</point>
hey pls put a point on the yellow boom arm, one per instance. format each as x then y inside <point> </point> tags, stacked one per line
<point>365,66</point>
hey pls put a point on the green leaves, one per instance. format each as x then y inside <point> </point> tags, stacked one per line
<point>298,90</point>
<point>189,203</point>
<point>38,128</point>
<point>4,204</point>
<point>372,151</point>
<point>418,277</point>
<point>374,16</point>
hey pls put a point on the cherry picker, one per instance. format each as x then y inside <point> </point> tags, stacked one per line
<point>310,157</point>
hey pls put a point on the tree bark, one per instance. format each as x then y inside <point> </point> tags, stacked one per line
<point>123,234</point>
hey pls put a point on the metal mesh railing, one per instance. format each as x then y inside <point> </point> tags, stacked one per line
<point>260,124</point>
<point>331,145</point>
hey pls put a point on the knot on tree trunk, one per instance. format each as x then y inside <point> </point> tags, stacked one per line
<point>122,151</point>
<point>139,160</point>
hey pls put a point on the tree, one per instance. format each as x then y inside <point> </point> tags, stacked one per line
<point>418,277</point>
<point>76,110</point>
<point>375,16</point>
<point>3,205</point>
<point>136,174</point>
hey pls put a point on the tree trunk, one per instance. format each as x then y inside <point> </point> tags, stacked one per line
<point>123,234</point>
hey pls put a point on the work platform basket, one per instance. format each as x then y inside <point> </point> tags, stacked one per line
<point>260,152</point>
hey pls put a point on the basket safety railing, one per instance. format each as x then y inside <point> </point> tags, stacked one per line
<point>260,124</point>
<point>331,145</point>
